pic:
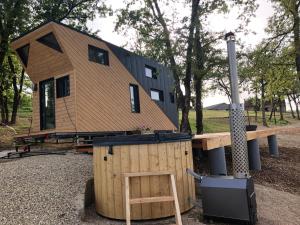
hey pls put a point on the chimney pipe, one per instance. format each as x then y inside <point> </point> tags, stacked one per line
<point>237,117</point>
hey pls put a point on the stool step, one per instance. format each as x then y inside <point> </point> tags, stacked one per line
<point>151,199</point>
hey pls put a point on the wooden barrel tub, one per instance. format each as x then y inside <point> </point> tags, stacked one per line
<point>114,156</point>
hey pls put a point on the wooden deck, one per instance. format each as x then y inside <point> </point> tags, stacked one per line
<point>217,140</point>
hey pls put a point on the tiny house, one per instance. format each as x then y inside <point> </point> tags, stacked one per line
<point>82,83</point>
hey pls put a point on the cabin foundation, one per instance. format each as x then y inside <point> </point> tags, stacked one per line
<point>217,161</point>
<point>254,155</point>
<point>273,146</point>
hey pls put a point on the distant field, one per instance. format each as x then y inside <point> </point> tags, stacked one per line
<point>218,121</point>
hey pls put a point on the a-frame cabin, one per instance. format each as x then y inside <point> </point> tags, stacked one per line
<point>84,84</point>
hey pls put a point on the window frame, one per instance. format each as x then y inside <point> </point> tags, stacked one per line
<point>135,108</point>
<point>103,51</point>
<point>66,86</point>
<point>153,72</point>
<point>160,95</point>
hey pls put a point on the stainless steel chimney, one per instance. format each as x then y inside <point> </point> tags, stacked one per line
<point>237,117</point>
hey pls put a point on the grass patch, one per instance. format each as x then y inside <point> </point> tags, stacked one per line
<point>218,120</point>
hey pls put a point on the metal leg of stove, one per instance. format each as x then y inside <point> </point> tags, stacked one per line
<point>273,147</point>
<point>254,155</point>
<point>217,161</point>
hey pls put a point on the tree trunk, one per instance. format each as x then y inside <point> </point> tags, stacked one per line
<point>17,91</point>
<point>272,109</point>
<point>2,106</point>
<point>281,109</point>
<point>199,108</point>
<point>263,110</point>
<point>185,125</point>
<point>256,105</point>
<point>275,116</point>
<point>296,34</point>
<point>294,97</point>
<point>198,78</point>
<point>290,103</point>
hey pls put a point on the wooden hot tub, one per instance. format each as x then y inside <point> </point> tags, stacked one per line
<point>114,156</point>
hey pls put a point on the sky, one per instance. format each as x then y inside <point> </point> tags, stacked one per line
<point>217,22</point>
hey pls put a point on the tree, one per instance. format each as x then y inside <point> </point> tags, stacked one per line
<point>284,25</point>
<point>176,41</point>
<point>17,16</point>
<point>155,30</point>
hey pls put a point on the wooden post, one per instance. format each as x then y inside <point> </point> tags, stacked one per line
<point>177,210</point>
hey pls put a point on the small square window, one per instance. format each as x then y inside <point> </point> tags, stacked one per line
<point>62,87</point>
<point>150,72</point>
<point>157,95</point>
<point>98,55</point>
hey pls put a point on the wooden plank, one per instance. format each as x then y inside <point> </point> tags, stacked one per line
<point>185,183</point>
<point>145,180</point>
<point>117,180</point>
<point>171,164</point>
<point>164,180</point>
<point>154,173</point>
<point>179,175</point>
<point>127,205</point>
<point>97,178</point>
<point>125,167</point>
<point>151,199</point>
<point>191,182</point>
<point>110,185</point>
<point>135,184</point>
<point>103,172</point>
<point>154,180</point>
<point>177,208</point>
<point>216,140</point>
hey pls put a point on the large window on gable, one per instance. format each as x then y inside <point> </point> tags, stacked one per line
<point>63,86</point>
<point>23,53</point>
<point>134,98</point>
<point>150,72</point>
<point>50,41</point>
<point>157,95</point>
<point>98,55</point>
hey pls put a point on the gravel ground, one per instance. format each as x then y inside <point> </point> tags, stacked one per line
<point>43,189</point>
<point>274,208</point>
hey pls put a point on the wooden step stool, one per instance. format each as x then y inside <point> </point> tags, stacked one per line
<point>129,201</point>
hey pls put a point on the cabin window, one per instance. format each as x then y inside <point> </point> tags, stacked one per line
<point>134,98</point>
<point>23,53</point>
<point>157,95</point>
<point>62,87</point>
<point>150,72</point>
<point>50,41</point>
<point>98,55</point>
<point>172,97</point>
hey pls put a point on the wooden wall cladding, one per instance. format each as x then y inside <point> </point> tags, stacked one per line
<point>103,99</point>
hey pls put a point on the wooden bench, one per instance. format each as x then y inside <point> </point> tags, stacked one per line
<point>217,140</point>
<point>214,143</point>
